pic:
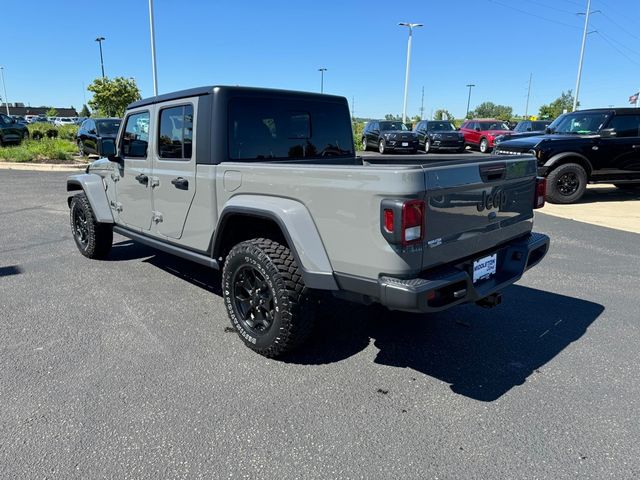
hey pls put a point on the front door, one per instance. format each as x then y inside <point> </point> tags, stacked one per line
<point>133,189</point>
<point>174,167</point>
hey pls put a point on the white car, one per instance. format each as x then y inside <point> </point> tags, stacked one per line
<point>58,122</point>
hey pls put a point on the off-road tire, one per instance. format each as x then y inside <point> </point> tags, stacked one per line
<point>291,319</point>
<point>81,148</point>
<point>382,147</point>
<point>364,144</point>
<point>427,146</point>
<point>484,146</point>
<point>93,239</point>
<point>560,183</point>
<point>628,187</point>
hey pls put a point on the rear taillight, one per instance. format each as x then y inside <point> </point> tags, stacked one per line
<point>541,192</point>
<point>412,221</point>
<point>388,220</point>
<point>402,221</point>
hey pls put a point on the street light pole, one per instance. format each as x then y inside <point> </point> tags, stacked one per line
<point>526,108</point>
<point>411,26</point>
<point>153,49</point>
<point>100,40</point>
<point>470,86</point>
<point>584,41</point>
<point>4,88</point>
<point>322,70</point>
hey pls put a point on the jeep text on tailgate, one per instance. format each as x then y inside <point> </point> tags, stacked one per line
<point>265,185</point>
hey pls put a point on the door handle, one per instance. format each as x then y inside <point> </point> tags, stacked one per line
<point>180,183</point>
<point>142,178</point>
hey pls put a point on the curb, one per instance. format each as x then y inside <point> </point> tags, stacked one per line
<point>43,167</point>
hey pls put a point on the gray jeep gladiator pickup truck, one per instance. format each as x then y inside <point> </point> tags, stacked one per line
<point>265,185</point>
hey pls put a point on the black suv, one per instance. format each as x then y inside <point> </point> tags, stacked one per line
<point>525,128</point>
<point>597,146</point>
<point>92,131</point>
<point>439,135</point>
<point>11,131</point>
<point>389,136</point>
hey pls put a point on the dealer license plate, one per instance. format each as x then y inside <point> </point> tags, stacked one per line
<point>405,144</point>
<point>484,267</point>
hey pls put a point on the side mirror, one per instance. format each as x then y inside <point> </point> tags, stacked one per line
<point>548,131</point>
<point>376,131</point>
<point>92,131</point>
<point>477,129</point>
<point>108,149</point>
<point>529,129</point>
<point>607,133</point>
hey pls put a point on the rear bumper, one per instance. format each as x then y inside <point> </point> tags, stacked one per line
<point>452,285</point>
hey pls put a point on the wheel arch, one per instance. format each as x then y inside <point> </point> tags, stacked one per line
<point>93,187</point>
<point>253,216</point>
<point>569,157</point>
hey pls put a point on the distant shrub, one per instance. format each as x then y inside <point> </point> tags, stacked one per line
<point>68,132</point>
<point>42,130</point>
<point>358,129</point>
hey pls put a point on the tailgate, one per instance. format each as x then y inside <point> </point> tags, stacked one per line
<point>473,207</point>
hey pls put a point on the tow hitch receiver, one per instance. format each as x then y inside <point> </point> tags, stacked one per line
<point>491,301</point>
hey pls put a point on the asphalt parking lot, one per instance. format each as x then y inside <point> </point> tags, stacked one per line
<point>125,368</point>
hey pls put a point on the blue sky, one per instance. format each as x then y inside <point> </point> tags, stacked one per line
<point>49,49</point>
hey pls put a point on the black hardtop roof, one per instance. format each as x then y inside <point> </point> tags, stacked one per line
<point>198,91</point>
<point>617,110</point>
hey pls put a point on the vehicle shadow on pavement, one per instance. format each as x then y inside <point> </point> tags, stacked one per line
<point>613,194</point>
<point>481,353</point>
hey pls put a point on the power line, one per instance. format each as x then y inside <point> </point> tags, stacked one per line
<point>612,45</point>
<point>635,52</point>
<point>620,26</point>
<point>533,14</point>
<point>552,8</point>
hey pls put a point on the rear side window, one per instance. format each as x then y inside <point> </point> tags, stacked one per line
<point>175,139</point>
<point>135,139</point>
<point>625,125</point>
<point>269,128</point>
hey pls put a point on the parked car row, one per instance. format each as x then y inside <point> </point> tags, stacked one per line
<point>434,135</point>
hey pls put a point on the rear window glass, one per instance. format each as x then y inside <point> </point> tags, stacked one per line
<point>268,128</point>
<point>108,127</point>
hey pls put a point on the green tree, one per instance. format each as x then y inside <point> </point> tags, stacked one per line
<point>491,110</point>
<point>392,118</point>
<point>85,112</point>
<point>52,112</point>
<point>111,96</point>
<point>416,118</point>
<point>556,108</point>
<point>442,114</point>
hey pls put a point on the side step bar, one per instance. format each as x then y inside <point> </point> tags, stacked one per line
<point>167,247</point>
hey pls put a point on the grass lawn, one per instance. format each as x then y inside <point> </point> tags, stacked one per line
<point>46,150</point>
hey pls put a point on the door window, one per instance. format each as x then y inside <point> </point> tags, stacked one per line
<point>135,139</point>
<point>626,125</point>
<point>175,138</point>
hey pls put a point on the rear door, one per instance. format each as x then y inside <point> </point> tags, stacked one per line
<point>620,154</point>
<point>133,190</point>
<point>174,166</point>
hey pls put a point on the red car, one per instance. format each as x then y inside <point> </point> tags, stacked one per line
<point>481,132</point>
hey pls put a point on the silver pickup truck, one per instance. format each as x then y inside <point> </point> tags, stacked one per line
<point>265,185</point>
